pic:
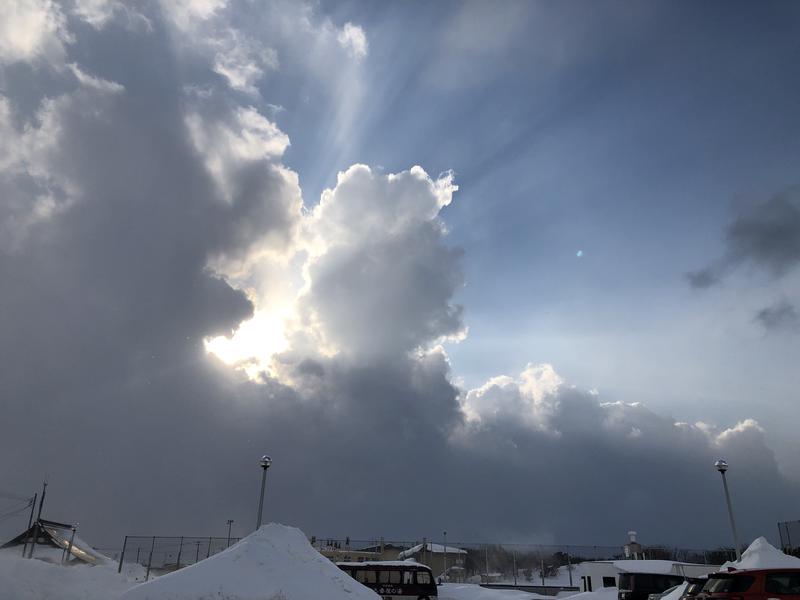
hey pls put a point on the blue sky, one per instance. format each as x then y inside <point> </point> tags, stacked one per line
<point>632,132</point>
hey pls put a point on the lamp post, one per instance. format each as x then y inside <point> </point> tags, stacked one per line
<point>228,543</point>
<point>265,464</point>
<point>722,466</point>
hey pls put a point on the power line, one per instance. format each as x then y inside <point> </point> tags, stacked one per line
<point>12,496</point>
<point>14,512</point>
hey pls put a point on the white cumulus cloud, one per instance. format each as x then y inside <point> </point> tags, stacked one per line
<point>354,40</point>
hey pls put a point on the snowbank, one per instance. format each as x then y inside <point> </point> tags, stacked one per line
<point>34,579</point>
<point>763,555</point>
<point>471,591</point>
<point>274,563</point>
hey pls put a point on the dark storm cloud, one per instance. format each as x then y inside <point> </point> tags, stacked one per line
<point>781,316</point>
<point>107,297</point>
<point>767,236</point>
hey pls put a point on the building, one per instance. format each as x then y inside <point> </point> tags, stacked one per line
<point>385,551</point>
<point>338,552</point>
<point>597,574</point>
<point>55,542</point>
<point>446,562</point>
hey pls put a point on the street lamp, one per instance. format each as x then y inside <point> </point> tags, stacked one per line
<point>722,466</point>
<point>265,464</point>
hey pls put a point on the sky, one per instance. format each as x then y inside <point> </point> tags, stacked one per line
<point>519,271</point>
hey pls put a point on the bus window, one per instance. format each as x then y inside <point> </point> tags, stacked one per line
<point>408,577</point>
<point>389,576</point>
<point>423,577</point>
<point>363,576</point>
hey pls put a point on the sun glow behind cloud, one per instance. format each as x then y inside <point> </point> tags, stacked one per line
<point>253,344</point>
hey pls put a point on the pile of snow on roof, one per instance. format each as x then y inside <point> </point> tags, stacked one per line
<point>664,567</point>
<point>432,548</point>
<point>274,563</point>
<point>763,555</point>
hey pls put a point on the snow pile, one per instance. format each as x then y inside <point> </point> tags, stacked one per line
<point>34,579</point>
<point>763,555</point>
<point>274,563</point>
<point>471,591</point>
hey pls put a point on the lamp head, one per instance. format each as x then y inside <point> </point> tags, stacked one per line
<point>265,462</point>
<point>721,466</point>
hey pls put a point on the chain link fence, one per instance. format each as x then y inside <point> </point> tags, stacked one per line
<point>162,554</point>
<point>537,564</point>
<point>789,532</point>
<point>531,564</point>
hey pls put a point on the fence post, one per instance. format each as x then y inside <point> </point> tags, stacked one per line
<point>180,549</point>
<point>150,559</point>
<point>122,554</point>
<point>514,559</point>
<point>208,551</point>
<point>569,568</point>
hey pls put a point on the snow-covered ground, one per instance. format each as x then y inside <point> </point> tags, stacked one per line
<point>35,579</point>
<point>472,591</point>
<point>275,563</point>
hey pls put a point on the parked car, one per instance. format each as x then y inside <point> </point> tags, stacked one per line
<point>694,587</point>
<point>756,584</point>
<point>659,595</point>
<point>638,586</point>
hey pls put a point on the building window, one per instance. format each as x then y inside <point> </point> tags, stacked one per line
<point>609,582</point>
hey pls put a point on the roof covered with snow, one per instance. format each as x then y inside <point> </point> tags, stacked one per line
<point>663,567</point>
<point>382,563</point>
<point>763,555</point>
<point>274,562</point>
<point>432,548</point>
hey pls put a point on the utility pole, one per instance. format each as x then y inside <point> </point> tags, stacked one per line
<point>30,522</point>
<point>38,517</point>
